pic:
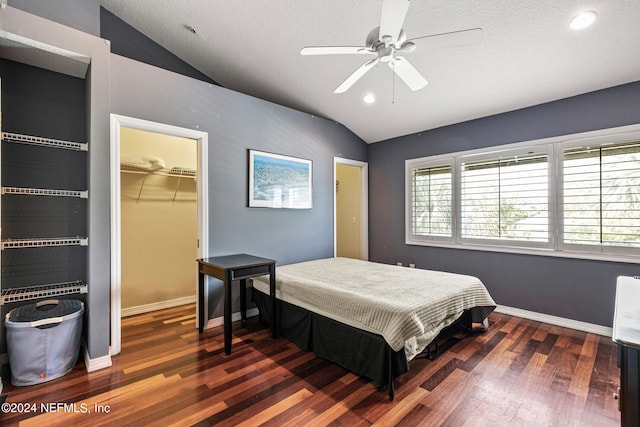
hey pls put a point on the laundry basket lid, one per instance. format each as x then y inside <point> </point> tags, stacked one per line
<point>44,310</point>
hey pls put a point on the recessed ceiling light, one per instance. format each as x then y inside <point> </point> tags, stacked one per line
<point>369,98</point>
<point>583,20</point>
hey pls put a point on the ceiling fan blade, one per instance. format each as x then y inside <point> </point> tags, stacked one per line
<point>392,18</point>
<point>336,50</point>
<point>453,39</point>
<point>408,73</point>
<point>361,71</point>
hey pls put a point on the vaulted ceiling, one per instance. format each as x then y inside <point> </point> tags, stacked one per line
<point>526,55</point>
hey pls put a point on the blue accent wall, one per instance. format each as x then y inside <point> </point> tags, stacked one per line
<point>236,123</point>
<point>572,288</point>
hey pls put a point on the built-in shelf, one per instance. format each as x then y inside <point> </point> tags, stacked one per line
<point>46,142</point>
<point>173,173</point>
<point>50,290</point>
<point>44,242</point>
<point>45,192</point>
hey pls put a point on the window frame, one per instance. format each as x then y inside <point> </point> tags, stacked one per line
<point>597,142</point>
<point>410,166</point>
<point>510,152</point>
<point>555,147</point>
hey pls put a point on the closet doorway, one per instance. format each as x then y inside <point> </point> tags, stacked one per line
<point>351,209</point>
<point>159,205</point>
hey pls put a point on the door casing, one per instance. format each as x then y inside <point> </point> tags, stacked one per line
<point>202,194</point>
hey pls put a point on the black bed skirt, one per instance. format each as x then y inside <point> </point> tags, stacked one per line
<point>361,352</point>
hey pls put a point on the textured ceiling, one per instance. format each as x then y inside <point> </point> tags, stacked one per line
<point>527,55</point>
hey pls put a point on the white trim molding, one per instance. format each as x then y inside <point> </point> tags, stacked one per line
<point>364,204</point>
<point>146,308</point>
<point>555,320</point>
<point>235,317</point>
<point>97,363</point>
<point>202,182</point>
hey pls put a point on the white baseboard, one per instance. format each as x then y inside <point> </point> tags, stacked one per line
<point>132,311</point>
<point>555,320</point>
<point>219,321</point>
<point>98,362</point>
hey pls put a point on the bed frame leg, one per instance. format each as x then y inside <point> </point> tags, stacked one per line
<point>432,354</point>
<point>391,387</point>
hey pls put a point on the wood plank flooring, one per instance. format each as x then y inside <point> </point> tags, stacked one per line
<point>518,373</point>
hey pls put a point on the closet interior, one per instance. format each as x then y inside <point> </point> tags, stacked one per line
<point>158,203</point>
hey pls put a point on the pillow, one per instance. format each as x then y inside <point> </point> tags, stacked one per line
<point>142,162</point>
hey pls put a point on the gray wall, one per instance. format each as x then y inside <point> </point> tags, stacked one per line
<point>576,289</point>
<point>236,123</point>
<point>83,15</point>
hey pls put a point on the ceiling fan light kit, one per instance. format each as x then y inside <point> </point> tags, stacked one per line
<point>369,98</point>
<point>388,43</point>
<point>583,20</point>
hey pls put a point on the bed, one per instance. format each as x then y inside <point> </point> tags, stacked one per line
<point>369,317</point>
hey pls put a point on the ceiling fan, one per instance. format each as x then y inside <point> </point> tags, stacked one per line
<point>388,41</point>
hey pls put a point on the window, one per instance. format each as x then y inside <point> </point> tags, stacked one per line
<point>505,198</point>
<point>431,213</point>
<point>602,195</point>
<point>577,195</point>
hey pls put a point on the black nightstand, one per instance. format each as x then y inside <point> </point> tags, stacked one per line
<point>229,268</point>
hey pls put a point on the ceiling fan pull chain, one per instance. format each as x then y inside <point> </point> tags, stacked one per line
<point>393,83</point>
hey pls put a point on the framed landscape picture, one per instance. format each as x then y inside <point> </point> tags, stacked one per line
<point>277,181</point>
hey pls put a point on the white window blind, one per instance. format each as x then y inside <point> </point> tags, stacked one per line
<point>506,198</point>
<point>431,206</point>
<point>570,195</point>
<point>602,195</point>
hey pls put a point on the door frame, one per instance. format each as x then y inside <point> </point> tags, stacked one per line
<point>364,205</point>
<point>202,194</point>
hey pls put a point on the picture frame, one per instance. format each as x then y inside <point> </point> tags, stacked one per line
<point>279,181</point>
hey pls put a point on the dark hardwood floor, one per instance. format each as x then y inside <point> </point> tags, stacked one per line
<point>518,373</point>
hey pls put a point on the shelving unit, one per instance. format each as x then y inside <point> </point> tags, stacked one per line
<point>54,87</point>
<point>50,290</point>
<point>45,192</point>
<point>44,242</point>
<point>46,142</point>
<point>10,295</point>
<point>172,173</point>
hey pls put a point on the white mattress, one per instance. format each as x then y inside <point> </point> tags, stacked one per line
<point>407,306</point>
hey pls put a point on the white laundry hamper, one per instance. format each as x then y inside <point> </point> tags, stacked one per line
<point>43,340</point>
